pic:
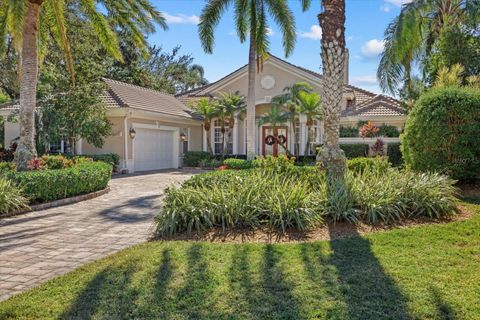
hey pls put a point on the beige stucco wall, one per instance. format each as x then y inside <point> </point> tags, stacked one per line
<point>195,140</point>
<point>113,144</point>
<point>12,132</point>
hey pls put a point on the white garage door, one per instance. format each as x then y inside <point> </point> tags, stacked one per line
<point>153,150</point>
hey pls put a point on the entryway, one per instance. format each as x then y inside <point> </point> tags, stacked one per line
<point>274,143</point>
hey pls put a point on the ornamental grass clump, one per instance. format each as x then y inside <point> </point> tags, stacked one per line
<point>11,197</point>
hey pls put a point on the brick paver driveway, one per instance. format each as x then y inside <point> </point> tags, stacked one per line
<point>40,245</point>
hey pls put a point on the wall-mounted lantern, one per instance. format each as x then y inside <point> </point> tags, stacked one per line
<point>132,133</point>
<point>182,136</point>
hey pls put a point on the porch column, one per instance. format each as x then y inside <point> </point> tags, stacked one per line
<point>235,135</point>
<point>78,146</point>
<point>303,134</point>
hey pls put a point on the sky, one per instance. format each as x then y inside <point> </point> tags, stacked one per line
<point>366,21</point>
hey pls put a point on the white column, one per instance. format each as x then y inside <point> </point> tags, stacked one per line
<point>125,141</point>
<point>235,135</point>
<point>303,134</point>
<point>78,146</point>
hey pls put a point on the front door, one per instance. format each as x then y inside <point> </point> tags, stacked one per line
<point>272,146</point>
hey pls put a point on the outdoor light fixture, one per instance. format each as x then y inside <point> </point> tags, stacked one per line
<point>182,136</point>
<point>132,133</point>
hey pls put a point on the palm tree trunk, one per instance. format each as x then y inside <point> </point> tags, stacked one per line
<point>209,143</point>
<point>251,136</point>
<point>307,147</point>
<point>275,144</point>
<point>28,86</point>
<point>332,22</point>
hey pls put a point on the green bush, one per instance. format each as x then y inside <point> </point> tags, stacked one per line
<point>112,159</point>
<point>298,198</point>
<point>238,164</point>
<point>48,185</point>
<point>360,165</point>
<point>348,132</point>
<point>193,158</point>
<point>277,164</point>
<point>6,168</point>
<point>442,133</point>
<point>11,197</point>
<point>55,162</point>
<point>394,154</point>
<point>389,131</point>
<point>355,150</point>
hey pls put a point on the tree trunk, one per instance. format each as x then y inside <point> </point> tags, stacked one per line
<point>209,143</point>
<point>224,141</point>
<point>28,86</point>
<point>332,22</point>
<point>251,136</point>
<point>275,144</point>
<point>307,147</point>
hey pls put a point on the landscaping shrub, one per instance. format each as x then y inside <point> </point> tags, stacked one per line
<point>394,154</point>
<point>238,164</point>
<point>6,168</point>
<point>298,198</point>
<point>442,133</point>
<point>355,150</point>
<point>55,162</point>
<point>360,165</point>
<point>49,185</point>
<point>389,131</point>
<point>348,132</point>
<point>277,164</point>
<point>11,197</point>
<point>193,158</point>
<point>111,158</point>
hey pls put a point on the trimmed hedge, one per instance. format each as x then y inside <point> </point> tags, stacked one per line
<point>237,164</point>
<point>355,150</point>
<point>49,185</point>
<point>194,158</point>
<point>394,154</point>
<point>111,158</point>
<point>442,133</point>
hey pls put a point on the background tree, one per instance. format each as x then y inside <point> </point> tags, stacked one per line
<point>311,107</point>
<point>332,22</point>
<point>230,105</point>
<point>291,101</point>
<point>251,19</point>
<point>22,21</point>
<point>207,108</point>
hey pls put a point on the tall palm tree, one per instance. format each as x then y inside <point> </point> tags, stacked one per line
<point>232,103</point>
<point>311,107</point>
<point>29,21</point>
<point>332,22</point>
<point>411,37</point>
<point>276,117</point>
<point>291,102</point>
<point>208,109</point>
<point>251,19</point>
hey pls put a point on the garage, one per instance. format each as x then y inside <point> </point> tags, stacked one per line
<point>154,149</point>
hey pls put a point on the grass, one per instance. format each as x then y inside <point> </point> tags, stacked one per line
<point>426,272</point>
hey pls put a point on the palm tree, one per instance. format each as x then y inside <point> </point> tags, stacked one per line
<point>310,106</point>
<point>411,37</point>
<point>251,19</point>
<point>332,22</point>
<point>20,20</point>
<point>232,103</point>
<point>208,109</point>
<point>276,117</point>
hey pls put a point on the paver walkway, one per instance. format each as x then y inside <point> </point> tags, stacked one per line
<point>40,245</point>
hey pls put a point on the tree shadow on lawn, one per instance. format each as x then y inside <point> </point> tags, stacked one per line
<point>268,297</point>
<point>352,273</point>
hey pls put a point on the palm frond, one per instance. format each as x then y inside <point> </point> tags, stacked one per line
<point>209,20</point>
<point>241,19</point>
<point>283,16</point>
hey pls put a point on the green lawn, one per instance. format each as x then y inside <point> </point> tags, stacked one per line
<point>428,272</point>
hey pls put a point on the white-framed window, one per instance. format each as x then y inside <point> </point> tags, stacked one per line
<point>218,138</point>
<point>316,136</point>
<point>184,142</point>
<point>60,147</point>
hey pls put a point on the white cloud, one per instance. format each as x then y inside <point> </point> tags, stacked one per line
<point>398,3</point>
<point>368,80</point>
<point>181,19</point>
<point>270,32</point>
<point>372,48</point>
<point>385,8</point>
<point>315,33</point>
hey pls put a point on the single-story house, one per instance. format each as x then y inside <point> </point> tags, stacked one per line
<point>152,130</point>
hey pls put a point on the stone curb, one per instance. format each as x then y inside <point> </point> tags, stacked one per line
<point>58,203</point>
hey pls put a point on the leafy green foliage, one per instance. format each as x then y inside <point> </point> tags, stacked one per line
<point>298,197</point>
<point>11,197</point>
<point>6,168</point>
<point>348,132</point>
<point>193,158</point>
<point>354,150</point>
<point>84,178</point>
<point>360,165</point>
<point>278,164</point>
<point>388,131</point>
<point>56,162</point>
<point>394,154</point>
<point>112,159</point>
<point>238,164</point>
<point>441,133</point>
